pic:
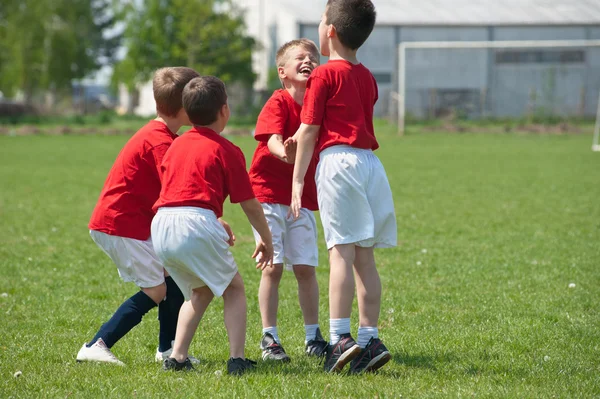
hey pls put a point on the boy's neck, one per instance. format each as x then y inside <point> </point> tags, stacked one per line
<point>296,91</point>
<point>337,51</point>
<point>215,127</point>
<point>173,124</point>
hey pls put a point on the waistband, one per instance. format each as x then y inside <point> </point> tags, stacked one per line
<point>344,149</point>
<point>179,210</point>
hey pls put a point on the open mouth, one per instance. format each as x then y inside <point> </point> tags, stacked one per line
<point>305,71</point>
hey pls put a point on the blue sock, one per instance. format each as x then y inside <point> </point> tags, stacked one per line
<point>128,315</point>
<point>168,314</point>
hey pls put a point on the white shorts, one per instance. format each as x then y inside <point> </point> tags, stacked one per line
<point>355,199</point>
<point>294,241</point>
<point>192,245</point>
<point>135,259</point>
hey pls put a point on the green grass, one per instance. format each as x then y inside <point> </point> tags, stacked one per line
<point>492,230</point>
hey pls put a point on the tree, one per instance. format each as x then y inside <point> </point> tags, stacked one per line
<point>207,35</point>
<point>46,44</point>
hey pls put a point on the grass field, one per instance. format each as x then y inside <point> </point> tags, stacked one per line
<point>492,228</point>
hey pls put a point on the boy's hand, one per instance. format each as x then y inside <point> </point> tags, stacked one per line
<point>227,228</point>
<point>296,204</point>
<point>290,146</point>
<point>264,251</point>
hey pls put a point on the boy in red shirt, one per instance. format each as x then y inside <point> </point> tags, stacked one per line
<point>200,170</point>
<point>120,223</point>
<point>294,241</point>
<point>354,195</point>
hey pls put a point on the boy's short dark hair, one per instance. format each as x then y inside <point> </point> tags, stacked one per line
<point>167,85</point>
<point>353,20</point>
<point>203,98</point>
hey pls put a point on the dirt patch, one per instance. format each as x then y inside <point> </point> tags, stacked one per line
<point>533,128</point>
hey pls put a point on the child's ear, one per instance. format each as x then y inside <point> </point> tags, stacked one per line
<point>331,32</point>
<point>281,73</point>
<point>224,110</point>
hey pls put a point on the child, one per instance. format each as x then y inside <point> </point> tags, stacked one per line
<point>199,171</point>
<point>120,223</point>
<point>354,195</point>
<point>294,241</point>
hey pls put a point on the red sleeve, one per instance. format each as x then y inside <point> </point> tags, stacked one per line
<point>271,119</point>
<point>315,97</point>
<point>238,182</point>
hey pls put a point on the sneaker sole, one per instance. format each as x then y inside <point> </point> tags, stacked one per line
<point>378,362</point>
<point>119,363</point>
<point>346,357</point>
<point>269,359</point>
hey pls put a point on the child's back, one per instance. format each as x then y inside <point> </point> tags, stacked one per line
<point>349,105</point>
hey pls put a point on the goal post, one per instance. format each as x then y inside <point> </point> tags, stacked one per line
<point>513,44</point>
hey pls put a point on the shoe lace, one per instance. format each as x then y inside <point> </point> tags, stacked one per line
<point>317,348</point>
<point>275,349</point>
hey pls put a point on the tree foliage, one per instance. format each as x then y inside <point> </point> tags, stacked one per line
<point>46,44</point>
<point>207,35</point>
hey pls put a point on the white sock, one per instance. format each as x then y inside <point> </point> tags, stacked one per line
<point>365,334</point>
<point>273,332</point>
<point>311,332</point>
<point>338,327</point>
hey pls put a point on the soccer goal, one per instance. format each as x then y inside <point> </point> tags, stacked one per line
<point>520,77</point>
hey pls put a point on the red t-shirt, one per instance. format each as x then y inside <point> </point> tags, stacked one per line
<point>271,178</point>
<point>340,97</point>
<point>124,208</point>
<point>201,169</point>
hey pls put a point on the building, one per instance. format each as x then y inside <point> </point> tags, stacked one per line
<point>476,82</point>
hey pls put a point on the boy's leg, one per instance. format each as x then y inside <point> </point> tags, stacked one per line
<point>129,315</point>
<point>308,296</point>
<point>268,298</point>
<point>189,317</point>
<point>341,286</point>
<point>373,354</point>
<point>234,309</point>
<point>368,289</point>
<point>342,348</point>
<point>168,314</point>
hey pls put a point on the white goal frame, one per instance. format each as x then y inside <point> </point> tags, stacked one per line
<point>404,46</point>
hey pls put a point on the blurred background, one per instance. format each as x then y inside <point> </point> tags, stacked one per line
<point>79,59</point>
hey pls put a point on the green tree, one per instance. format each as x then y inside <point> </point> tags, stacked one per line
<point>46,44</point>
<point>207,35</point>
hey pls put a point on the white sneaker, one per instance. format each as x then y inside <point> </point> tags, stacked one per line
<point>98,352</point>
<point>162,356</point>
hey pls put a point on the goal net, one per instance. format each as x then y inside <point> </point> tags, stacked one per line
<point>540,79</point>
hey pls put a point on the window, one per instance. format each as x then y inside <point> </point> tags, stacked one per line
<point>540,57</point>
<point>383,78</point>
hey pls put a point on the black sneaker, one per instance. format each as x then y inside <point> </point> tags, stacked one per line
<point>341,353</point>
<point>373,357</point>
<point>272,350</point>
<point>316,346</point>
<point>172,364</point>
<point>239,366</point>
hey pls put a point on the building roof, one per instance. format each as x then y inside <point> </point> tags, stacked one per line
<point>465,12</point>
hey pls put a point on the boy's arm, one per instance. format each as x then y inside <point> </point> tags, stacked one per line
<point>306,138</point>
<point>277,149</point>
<point>256,217</point>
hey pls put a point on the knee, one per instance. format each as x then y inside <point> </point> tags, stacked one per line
<point>157,293</point>
<point>236,287</point>
<point>305,274</point>
<point>273,273</point>
<point>201,294</point>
